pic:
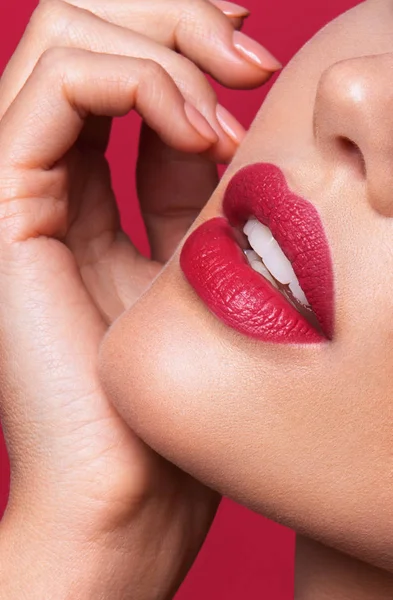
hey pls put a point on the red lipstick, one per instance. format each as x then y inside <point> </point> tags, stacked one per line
<point>217,269</point>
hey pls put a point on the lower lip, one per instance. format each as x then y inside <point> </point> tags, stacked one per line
<point>215,266</point>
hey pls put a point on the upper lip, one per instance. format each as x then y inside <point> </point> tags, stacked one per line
<point>215,266</point>
<point>295,224</point>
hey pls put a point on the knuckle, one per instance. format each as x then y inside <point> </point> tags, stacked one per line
<point>154,83</point>
<point>14,218</point>
<point>56,61</point>
<point>50,20</point>
<point>192,81</point>
<point>193,18</point>
<point>153,70</point>
<point>22,215</point>
<point>51,58</point>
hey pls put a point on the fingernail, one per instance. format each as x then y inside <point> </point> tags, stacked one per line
<point>254,52</point>
<point>230,9</point>
<point>230,125</point>
<point>199,123</point>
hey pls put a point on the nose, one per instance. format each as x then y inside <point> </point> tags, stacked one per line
<point>353,123</point>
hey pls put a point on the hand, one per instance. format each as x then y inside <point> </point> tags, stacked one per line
<point>89,500</point>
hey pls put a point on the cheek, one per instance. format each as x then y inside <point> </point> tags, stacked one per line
<point>299,435</point>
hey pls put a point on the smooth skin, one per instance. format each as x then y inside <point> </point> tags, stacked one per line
<point>301,434</point>
<point>93,512</point>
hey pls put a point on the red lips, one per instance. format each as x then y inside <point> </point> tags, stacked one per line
<point>217,269</point>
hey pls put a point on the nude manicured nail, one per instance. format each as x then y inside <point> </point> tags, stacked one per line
<point>230,125</point>
<point>255,53</point>
<point>230,9</point>
<point>199,123</point>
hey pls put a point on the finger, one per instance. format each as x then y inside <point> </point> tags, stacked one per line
<point>90,32</point>
<point>68,85</point>
<point>199,30</point>
<point>172,189</point>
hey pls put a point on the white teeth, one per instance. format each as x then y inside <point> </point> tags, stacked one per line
<point>264,244</point>
<point>252,256</point>
<point>298,292</point>
<point>249,226</point>
<point>259,236</point>
<point>258,266</point>
<point>275,262</point>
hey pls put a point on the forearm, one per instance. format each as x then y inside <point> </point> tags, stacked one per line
<point>325,574</point>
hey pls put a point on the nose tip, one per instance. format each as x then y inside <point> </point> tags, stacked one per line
<point>353,123</point>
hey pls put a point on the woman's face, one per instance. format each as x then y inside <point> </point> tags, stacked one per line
<point>227,379</point>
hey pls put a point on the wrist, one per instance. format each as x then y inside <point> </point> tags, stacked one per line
<point>34,565</point>
<point>46,560</point>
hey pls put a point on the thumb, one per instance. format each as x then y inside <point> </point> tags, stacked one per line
<point>172,188</point>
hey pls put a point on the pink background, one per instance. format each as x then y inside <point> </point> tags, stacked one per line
<point>245,555</point>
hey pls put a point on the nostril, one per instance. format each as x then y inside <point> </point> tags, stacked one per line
<point>351,152</point>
